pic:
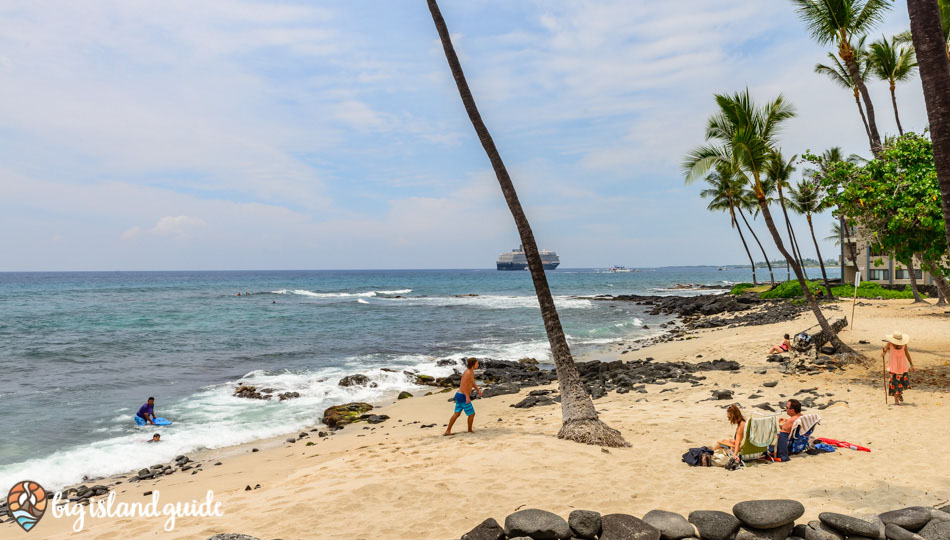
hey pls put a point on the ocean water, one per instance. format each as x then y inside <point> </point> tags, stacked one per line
<point>82,351</point>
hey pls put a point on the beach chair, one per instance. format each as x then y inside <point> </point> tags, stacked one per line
<point>801,431</point>
<point>760,432</point>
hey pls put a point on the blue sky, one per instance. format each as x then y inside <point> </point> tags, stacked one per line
<point>229,134</point>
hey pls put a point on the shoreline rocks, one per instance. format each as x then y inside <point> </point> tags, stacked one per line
<point>750,520</point>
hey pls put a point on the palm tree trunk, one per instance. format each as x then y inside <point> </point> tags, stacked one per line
<point>580,421</point>
<point>857,99</point>
<point>836,342</point>
<point>943,288</point>
<point>897,117</point>
<point>751,230</point>
<point>913,281</point>
<point>847,54</point>
<point>788,226</point>
<point>934,69</point>
<point>746,246</point>
<point>821,262</point>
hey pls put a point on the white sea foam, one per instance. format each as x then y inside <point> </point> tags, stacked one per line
<point>364,294</point>
<point>361,301</point>
<point>498,301</point>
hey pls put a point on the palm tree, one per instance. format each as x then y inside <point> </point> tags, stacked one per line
<point>837,22</point>
<point>726,193</point>
<point>748,202</point>
<point>892,61</point>
<point>806,199</point>
<point>930,44</point>
<point>778,173</point>
<point>580,420</point>
<point>745,138</point>
<point>838,73</point>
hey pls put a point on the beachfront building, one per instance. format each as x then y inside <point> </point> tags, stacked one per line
<point>873,263</point>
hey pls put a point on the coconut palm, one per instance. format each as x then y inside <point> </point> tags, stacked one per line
<point>580,420</point>
<point>893,61</point>
<point>931,46</point>
<point>726,194</point>
<point>805,198</point>
<point>837,23</point>
<point>778,174</point>
<point>744,136</point>
<point>747,201</point>
<point>838,73</point>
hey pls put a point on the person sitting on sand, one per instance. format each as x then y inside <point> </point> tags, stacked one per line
<point>898,358</point>
<point>463,398</point>
<point>147,411</point>
<point>782,347</point>
<point>736,419</point>
<point>155,438</point>
<point>794,410</point>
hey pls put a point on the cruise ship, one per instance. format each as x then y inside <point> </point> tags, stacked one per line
<point>516,260</point>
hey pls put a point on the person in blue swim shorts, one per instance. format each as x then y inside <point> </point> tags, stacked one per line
<point>463,398</point>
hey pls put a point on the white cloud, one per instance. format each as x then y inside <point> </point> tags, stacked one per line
<point>176,225</point>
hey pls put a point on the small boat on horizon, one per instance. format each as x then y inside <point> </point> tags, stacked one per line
<point>619,269</point>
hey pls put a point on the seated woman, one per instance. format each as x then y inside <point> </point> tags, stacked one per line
<point>736,419</point>
<point>782,347</point>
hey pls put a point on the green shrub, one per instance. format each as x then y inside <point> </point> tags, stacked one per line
<point>789,289</point>
<point>870,289</point>
<point>740,288</point>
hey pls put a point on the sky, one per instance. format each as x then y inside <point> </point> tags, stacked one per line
<point>227,134</point>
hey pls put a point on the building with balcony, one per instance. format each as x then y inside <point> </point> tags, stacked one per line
<point>874,264</point>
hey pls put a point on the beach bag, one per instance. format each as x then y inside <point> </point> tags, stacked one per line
<point>694,457</point>
<point>721,457</point>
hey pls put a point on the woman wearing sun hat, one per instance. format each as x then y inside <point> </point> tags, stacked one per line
<point>898,360</point>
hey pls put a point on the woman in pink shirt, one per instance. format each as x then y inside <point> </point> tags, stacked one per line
<point>898,361</point>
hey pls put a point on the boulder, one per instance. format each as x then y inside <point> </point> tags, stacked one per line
<point>537,524</point>
<point>936,530</point>
<point>775,533</point>
<point>847,525</point>
<point>404,395</point>
<point>354,380</point>
<point>770,384</point>
<point>374,418</point>
<point>714,525</point>
<point>584,523</point>
<point>501,389</point>
<point>672,526</point>
<point>896,532</point>
<point>486,530</point>
<point>340,415</point>
<point>626,527</point>
<point>768,514</point>
<point>722,394</point>
<point>912,518</point>
<point>939,515</point>
<point>816,530</point>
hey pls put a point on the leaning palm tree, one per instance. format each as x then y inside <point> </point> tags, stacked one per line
<point>893,61</point>
<point>930,44</point>
<point>837,22</point>
<point>838,73</point>
<point>726,194</point>
<point>580,420</point>
<point>805,198</point>
<point>744,136</point>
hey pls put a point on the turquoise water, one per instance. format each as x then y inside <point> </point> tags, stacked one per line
<point>82,351</point>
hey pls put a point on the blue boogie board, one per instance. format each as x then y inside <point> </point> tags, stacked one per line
<point>158,421</point>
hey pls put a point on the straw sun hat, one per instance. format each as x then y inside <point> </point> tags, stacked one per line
<point>898,338</point>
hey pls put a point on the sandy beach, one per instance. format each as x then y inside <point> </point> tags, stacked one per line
<point>398,480</point>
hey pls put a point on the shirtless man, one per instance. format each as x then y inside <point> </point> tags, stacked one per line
<point>463,398</point>
<point>794,410</point>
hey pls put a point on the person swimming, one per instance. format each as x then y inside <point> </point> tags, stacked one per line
<point>155,438</point>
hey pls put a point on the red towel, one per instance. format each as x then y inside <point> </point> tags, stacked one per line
<point>843,444</point>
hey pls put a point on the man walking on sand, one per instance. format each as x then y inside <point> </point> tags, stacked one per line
<point>463,398</point>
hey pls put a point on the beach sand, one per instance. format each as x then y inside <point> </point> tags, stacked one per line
<point>398,481</point>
